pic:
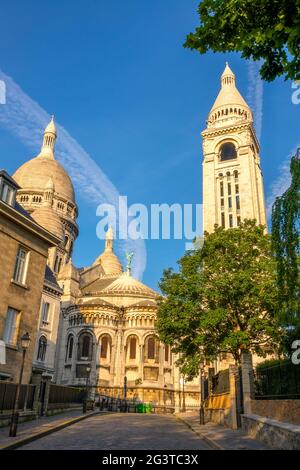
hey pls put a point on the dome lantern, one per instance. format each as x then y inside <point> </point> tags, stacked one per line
<point>49,139</point>
<point>108,260</point>
<point>229,105</point>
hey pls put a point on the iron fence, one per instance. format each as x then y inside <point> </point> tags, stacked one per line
<point>220,382</point>
<point>64,394</point>
<point>8,394</point>
<point>281,381</point>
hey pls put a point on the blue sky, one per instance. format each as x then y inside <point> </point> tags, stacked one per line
<point>118,80</point>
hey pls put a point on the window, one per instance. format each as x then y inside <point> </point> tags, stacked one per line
<point>104,347</point>
<point>7,194</point>
<point>70,345</point>
<point>42,347</point>
<point>21,266</point>
<point>11,326</point>
<point>228,151</point>
<point>223,219</point>
<point>238,220</point>
<point>45,312</point>
<point>151,348</point>
<point>237,199</point>
<point>221,189</point>
<point>66,240</point>
<point>132,349</point>
<point>167,350</point>
<point>85,347</point>
<point>230,202</point>
<point>57,264</point>
<point>230,220</point>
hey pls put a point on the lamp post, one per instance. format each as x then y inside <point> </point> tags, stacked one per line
<point>201,414</point>
<point>183,409</point>
<point>84,408</point>
<point>125,393</point>
<point>25,341</point>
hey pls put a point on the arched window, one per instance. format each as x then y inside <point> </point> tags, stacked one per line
<point>151,348</point>
<point>167,351</point>
<point>85,347</point>
<point>228,151</point>
<point>70,346</point>
<point>42,347</point>
<point>132,348</point>
<point>104,347</point>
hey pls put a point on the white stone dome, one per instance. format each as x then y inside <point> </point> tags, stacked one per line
<point>34,176</point>
<point>48,219</point>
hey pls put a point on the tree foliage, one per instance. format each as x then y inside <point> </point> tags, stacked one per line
<point>286,248</point>
<point>259,29</point>
<point>223,299</point>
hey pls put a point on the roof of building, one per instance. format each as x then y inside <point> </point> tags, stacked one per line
<point>50,278</point>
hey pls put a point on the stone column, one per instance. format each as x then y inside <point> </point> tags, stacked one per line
<point>247,381</point>
<point>36,380</point>
<point>161,365</point>
<point>233,371</point>
<point>141,363</point>
<point>177,386</point>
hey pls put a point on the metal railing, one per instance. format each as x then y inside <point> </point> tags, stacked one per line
<point>8,393</point>
<point>63,394</point>
<point>278,382</point>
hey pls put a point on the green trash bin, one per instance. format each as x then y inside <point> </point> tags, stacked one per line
<point>148,408</point>
<point>140,408</point>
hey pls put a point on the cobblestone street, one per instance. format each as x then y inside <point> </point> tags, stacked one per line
<point>123,432</point>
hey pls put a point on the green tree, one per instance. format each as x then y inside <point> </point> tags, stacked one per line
<point>286,249</point>
<point>223,299</point>
<point>259,29</point>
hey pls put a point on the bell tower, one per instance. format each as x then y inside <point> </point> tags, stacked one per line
<point>232,177</point>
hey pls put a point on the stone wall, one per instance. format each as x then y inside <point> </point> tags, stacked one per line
<point>278,435</point>
<point>282,410</point>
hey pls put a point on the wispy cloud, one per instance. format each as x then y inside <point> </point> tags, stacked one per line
<point>255,94</point>
<point>281,184</point>
<point>26,119</point>
<point>255,100</point>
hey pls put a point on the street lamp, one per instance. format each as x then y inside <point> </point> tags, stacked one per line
<point>25,341</point>
<point>201,394</point>
<point>125,393</point>
<point>84,408</point>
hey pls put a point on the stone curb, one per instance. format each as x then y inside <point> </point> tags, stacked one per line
<point>38,435</point>
<point>208,441</point>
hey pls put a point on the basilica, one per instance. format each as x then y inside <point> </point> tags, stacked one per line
<point>99,320</point>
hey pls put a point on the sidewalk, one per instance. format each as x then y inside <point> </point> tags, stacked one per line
<point>219,437</point>
<point>31,430</point>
